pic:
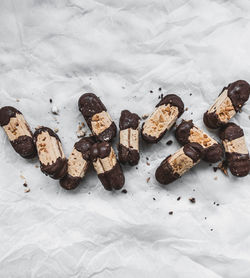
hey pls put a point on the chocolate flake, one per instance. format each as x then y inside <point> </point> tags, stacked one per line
<point>178,199</point>
<point>169,142</point>
<point>171,213</point>
<point>124,191</point>
<point>192,200</point>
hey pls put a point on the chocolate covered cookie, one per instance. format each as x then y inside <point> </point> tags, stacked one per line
<point>18,131</point>
<point>52,159</point>
<point>78,163</point>
<point>128,148</point>
<point>174,166</point>
<point>236,150</point>
<point>229,102</point>
<point>167,111</point>
<point>187,132</point>
<point>107,167</point>
<point>97,117</point>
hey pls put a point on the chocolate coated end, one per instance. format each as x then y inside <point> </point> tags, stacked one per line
<point>173,100</point>
<point>6,113</point>
<point>69,182</point>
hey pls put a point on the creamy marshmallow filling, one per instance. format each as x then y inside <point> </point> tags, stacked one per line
<point>77,165</point>
<point>236,146</point>
<point>223,107</point>
<point>180,162</point>
<point>129,138</point>
<point>162,118</point>
<point>103,165</point>
<point>17,127</point>
<point>49,148</point>
<point>100,122</point>
<point>200,137</point>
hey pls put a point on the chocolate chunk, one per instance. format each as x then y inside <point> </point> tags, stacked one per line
<point>52,159</point>
<point>162,119</point>
<point>187,132</point>
<point>107,167</point>
<point>97,118</point>
<point>128,148</point>
<point>18,131</point>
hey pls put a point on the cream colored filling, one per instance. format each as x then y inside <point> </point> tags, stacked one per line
<point>180,162</point>
<point>161,119</point>
<point>49,148</point>
<point>198,136</point>
<point>100,122</point>
<point>236,146</point>
<point>77,166</point>
<point>223,107</point>
<point>17,127</point>
<point>102,165</point>
<point>129,138</point>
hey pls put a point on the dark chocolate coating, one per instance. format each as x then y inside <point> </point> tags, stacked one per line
<point>128,120</point>
<point>164,173</point>
<point>69,182</point>
<point>89,105</point>
<point>6,113</point>
<point>114,178</point>
<point>211,154</point>
<point>58,169</point>
<point>127,155</point>
<point>23,145</point>
<point>238,92</point>
<point>173,100</point>
<point>239,164</point>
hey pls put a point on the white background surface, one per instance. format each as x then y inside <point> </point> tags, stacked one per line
<point>121,50</point>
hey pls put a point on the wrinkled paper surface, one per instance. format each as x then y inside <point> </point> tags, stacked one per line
<point>121,50</point>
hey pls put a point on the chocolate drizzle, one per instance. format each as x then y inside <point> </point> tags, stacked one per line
<point>6,113</point>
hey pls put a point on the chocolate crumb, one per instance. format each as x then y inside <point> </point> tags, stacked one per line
<point>217,205</point>
<point>178,199</point>
<point>148,164</point>
<point>211,230</point>
<point>215,169</point>
<point>161,96</point>
<point>205,218</point>
<point>223,167</point>
<point>147,158</point>
<point>154,198</point>
<point>136,168</point>
<point>50,100</point>
<point>192,200</point>
<point>145,116</point>
<point>169,142</point>
<point>124,191</point>
<point>151,91</point>
<point>170,213</point>
<point>190,94</point>
<point>186,109</point>
<point>25,184</point>
<point>148,179</point>
<point>159,89</point>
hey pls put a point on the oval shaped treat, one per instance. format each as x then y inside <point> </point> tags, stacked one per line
<point>107,167</point>
<point>187,132</point>
<point>128,148</point>
<point>78,163</point>
<point>237,154</point>
<point>175,165</point>
<point>97,117</point>
<point>167,111</point>
<point>52,159</point>
<point>18,131</point>
<point>228,103</point>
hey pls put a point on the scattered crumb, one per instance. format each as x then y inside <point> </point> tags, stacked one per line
<point>154,198</point>
<point>210,164</point>
<point>223,167</point>
<point>81,133</point>
<point>27,190</point>
<point>190,94</point>
<point>148,179</point>
<point>22,177</point>
<point>205,218</point>
<point>159,89</point>
<point>25,184</point>
<point>211,230</point>
<point>124,191</point>
<point>145,116</point>
<point>161,96</point>
<point>17,100</point>
<point>171,213</point>
<point>217,205</point>
<point>37,166</point>
<point>215,178</point>
<point>214,203</point>
<point>186,109</point>
<point>215,169</point>
<point>54,110</point>
<point>148,163</point>
<point>169,142</point>
<point>50,100</point>
<point>151,91</point>
<point>193,189</point>
<point>136,168</point>
<point>147,158</point>
<point>192,200</point>
<point>56,130</point>
<point>178,199</point>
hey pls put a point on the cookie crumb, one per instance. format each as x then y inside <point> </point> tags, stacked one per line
<point>145,116</point>
<point>169,142</point>
<point>171,213</point>
<point>37,166</point>
<point>178,199</point>
<point>148,163</point>
<point>17,100</point>
<point>22,177</point>
<point>215,178</point>
<point>192,200</point>
<point>27,190</point>
<point>56,130</point>
<point>124,191</point>
<point>54,110</point>
<point>148,179</point>
<point>223,167</point>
